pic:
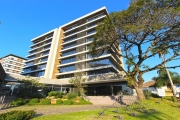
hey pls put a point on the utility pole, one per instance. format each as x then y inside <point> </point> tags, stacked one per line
<point>169,76</point>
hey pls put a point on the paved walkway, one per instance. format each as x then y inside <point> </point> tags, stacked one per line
<point>54,109</point>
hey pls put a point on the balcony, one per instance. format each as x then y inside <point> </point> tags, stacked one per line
<point>98,18</point>
<point>80,31</point>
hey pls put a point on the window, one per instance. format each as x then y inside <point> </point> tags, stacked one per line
<point>29,63</point>
<point>71,27</point>
<point>70,39</point>
<point>44,59</point>
<point>41,66</point>
<point>100,63</point>
<point>89,39</point>
<point>12,58</point>
<point>103,71</point>
<point>69,52</point>
<point>69,45</point>
<point>9,66</point>
<point>27,70</point>
<point>32,57</point>
<point>34,47</point>
<point>67,68</point>
<point>68,60</point>
<point>91,31</point>
<point>47,47</point>
<point>49,41</point>
<point>70,33</point>
<point>39,74</point>
<point>91,25</point>
<point>66,76</point>
<point>50,36</point>
<point>33,52</point>
<point>46,52</point>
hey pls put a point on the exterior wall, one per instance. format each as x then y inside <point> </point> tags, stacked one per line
<point>59,47</point>
<point>52,55</point>
<point>13,64</point>
<point>75,36</point>
<point>74,52</point>
<point>41,55</point>
<point>2,73</point>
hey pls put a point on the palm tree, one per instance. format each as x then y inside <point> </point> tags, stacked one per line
<point>161,50</point>
<point>163,80</point>
<point>169,76</point>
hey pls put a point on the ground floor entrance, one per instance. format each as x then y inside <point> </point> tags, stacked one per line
<point>104,89</point>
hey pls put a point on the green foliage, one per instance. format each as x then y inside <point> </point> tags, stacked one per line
<point>59,102</point>
<point>82,102</point>
<point>56,94</point>
<point>147,94</point>
<point>29,88</point>
<point>163,79</point>
<point>155,95</point>
<point>18,102</point>
<point>67,102</point>
<point>45,102</point>
<point>77,82</point>
<point>34,101</point>
<point>140,37</point>
<point>65,97</point>
<point>72,95</point>
<point>17,115</point>
<point>170,98</point>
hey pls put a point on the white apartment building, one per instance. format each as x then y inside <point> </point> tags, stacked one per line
<point>64,51</point>
<point>13,64</point>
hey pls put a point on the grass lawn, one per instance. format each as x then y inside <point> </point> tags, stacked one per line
<point>165,110</point>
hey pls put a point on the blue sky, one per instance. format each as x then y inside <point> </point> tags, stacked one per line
<point>22,20</point>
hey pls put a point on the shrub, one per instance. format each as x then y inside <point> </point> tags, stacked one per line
<point>56,94</point>
<point>52,93</point>
<point>147,94</point>
<point>155,95</point>
<point>65,97</point>
<point>59,102</point>
<point>34,101</point>
<point>67,102</point>
<point>82,102</point>
<point>17,115</point>
<point>72,95</point>
<point>18,102</point>
<point>45,102</point>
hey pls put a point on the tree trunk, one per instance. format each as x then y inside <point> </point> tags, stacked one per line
<point>140,93</point>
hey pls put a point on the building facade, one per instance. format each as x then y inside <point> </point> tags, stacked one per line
<point>62,52</point>
<point>13,64</point>
<point>41,55</point>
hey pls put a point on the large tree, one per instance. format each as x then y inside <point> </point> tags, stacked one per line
<point>146,29</point>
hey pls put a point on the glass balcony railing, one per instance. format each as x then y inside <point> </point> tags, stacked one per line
<point>91,31</point>
<point>70,39</point>
<point>68,60</point>
<point>68,53</point>
<point>70,45</point>
<point>67,69</point>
